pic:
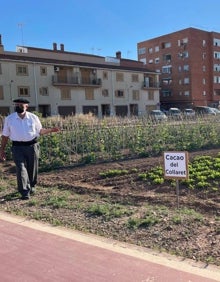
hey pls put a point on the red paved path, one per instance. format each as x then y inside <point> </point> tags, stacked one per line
<point>31,251</point>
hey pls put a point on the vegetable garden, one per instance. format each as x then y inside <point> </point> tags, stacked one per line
<point>85,139</point>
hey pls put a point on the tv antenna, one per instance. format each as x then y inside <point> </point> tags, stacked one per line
<point>98,51</point>
<point>20,25</point>
<point>128,52</point>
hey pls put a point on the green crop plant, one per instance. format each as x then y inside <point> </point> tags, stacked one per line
<point>202,175</point>
<point>113,172</point>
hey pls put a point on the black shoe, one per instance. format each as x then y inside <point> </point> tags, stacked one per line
<point>25,197</point>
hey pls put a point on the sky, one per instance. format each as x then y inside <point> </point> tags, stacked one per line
<point>100,27</point>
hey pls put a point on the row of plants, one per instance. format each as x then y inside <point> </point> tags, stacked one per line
<point>204,173</point>
<point>92,140</point>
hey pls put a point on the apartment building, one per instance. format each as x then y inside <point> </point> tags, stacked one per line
<point>57,82</point>
<point>189,63</point>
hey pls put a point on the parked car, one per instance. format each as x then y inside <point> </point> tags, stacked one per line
<point>217,111</point>
<point>157,115</point>
<point>174,113</point>
<point>189,113</point>
<point>204,110</point>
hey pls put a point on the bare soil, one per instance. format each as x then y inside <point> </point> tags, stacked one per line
<point>191,237</point>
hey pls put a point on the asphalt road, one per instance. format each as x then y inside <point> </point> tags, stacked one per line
<point>31,252</point>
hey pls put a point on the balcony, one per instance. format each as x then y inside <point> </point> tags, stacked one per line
<point>76,81</point>
<point>150,85</point>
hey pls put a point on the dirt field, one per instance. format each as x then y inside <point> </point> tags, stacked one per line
<point>192,232</point>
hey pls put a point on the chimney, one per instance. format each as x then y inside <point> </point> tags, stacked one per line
<point>54,46</point>
<point>1,46</point>
<point>62,47</point>
<point>118,55</point>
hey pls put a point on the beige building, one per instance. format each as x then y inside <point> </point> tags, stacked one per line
<point>58,82</point>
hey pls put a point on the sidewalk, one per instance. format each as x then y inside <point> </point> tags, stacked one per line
<point>33,252</point>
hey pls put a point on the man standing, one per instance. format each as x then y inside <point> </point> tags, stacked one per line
<point>23,129</point>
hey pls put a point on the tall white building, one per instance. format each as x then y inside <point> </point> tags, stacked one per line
<point>60,82</point>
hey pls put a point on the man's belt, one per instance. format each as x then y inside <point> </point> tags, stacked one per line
<point>24,143</point>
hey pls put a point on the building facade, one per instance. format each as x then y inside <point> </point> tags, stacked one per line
<point>63,83</point>
<point>189,63</point>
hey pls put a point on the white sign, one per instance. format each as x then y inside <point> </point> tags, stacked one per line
<point>176,165</point>
<point>112,60</point>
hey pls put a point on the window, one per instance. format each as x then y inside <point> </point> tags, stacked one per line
<point>151,95</point>
<point>186,67</point>
<point>183,42</point>
<point>167,57</point>
<point>135,95</point>
<point>156,60</point>
<point>166,81</point>
<point>21,69</point>
<point>204,68</point>
<point>150,50</point>
<point>167,69</point>
<point>166,45</point>
<point>1,93</point>
<point>0,68</point>
<point>23,91</point>
<point>185,54</point>
<point>65,94</point>
<point>134,78</point>
<point>203,43</point>
<point>204,93</point>
<point>105,75</point>
<point>89,94</point>
<point>44,91</point>
<point>216,67</point>
<point>105,92</point>
<point>157,49</point>
<point>43,70</point>
<point>203,81</point>
<point>119,93</point>
<point>186,93</point>
<point>144,61</point>
<point>216,79</point>
<point>186,80</point>
<point>217,55</point>
<point>119,76</point>
<point>141,51</point>
<point>166,93</point>
<point>216,42</point>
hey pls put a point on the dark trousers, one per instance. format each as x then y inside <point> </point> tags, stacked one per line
<point>26,159</point>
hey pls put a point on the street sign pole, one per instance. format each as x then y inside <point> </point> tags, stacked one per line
<point>176,167</point>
